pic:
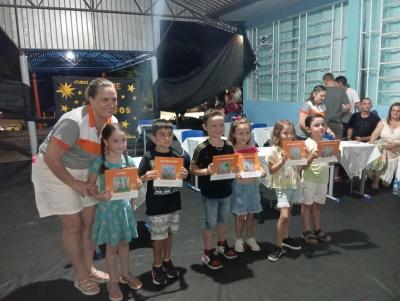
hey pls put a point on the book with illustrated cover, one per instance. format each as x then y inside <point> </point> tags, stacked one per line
<point>296,152</point>
<point>249,165</point>
<point>223,166</point>
<point>121,182</point>
<point>328,151</point>
<point>168,170</point>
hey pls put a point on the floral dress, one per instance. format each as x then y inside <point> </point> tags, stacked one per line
<point>114,220</point>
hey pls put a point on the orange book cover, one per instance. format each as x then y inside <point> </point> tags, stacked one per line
<point>295,150</point>
<point>328,151</point>
<point>249,165</point>
<point>121,182</point>
<point>249,162</point>
<point>168,167</point>
<point>223,166</point>
<point>329,148</point>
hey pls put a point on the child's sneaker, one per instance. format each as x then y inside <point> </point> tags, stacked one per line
<point>225,250</point>
<point>291,244</point>
<point>276,254</point>
<point>170,270</point>
<point>239,245</point>
<point>210,260</point>
<point>251,242</point>
<point>158,275</point>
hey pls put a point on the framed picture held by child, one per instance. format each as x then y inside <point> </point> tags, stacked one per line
<point>249,165</point>
<point>168,172</point>
<point>328,151</point>
<point>223,166</point>
<point>122,183</point>
<point>296,153</point>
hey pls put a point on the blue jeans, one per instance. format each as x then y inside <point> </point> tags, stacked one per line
<point>215,211</point>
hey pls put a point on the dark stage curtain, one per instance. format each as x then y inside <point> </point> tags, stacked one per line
<point>16,100</point>
<point>226,69</point>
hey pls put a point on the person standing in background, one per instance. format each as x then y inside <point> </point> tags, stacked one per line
<point>337,103</point>
<point>354,100</point>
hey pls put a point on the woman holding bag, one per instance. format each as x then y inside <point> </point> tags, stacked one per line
<point>387,136</point>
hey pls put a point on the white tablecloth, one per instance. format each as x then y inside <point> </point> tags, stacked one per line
<point>178,134</point>
<point>191,143</point>
<point>140,128</point>
<point>261,135</point>
<point>355,156</point>
<point>227,128</point>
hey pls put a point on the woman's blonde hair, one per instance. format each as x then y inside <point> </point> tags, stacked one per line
<point>234,125</point>
<point>276,133</point>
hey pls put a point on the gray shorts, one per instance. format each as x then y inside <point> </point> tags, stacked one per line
<point>161,225</point>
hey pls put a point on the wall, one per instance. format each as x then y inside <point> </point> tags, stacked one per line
<point>271,111</point>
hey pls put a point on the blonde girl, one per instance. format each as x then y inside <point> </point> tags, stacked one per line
<point>287,184</point>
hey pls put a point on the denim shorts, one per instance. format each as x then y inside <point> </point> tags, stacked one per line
<point>245,198</point>
<point>216,211</point>
<point>288,197</point>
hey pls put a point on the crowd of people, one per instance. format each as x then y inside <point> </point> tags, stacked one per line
<point>87,141</point>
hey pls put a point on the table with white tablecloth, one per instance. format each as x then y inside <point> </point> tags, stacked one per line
<point>261,135</point>
<point>355,157</point>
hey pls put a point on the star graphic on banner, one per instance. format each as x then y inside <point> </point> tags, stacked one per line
<point>131,88</point>
<point>79,92</point>
<point>123,96</point>
<point>65,90</point>
<point>125,124</point>
<point>64,108</point>
<point>76,102</point>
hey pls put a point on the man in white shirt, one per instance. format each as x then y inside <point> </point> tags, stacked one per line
<point>354,100</point>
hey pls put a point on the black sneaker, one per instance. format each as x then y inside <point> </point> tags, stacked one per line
<point>158,275</point>
<point>291,244</point>
<point>170,269</point>
<point>210,260</point>
<point>276,254</point>
<point>225,250</point>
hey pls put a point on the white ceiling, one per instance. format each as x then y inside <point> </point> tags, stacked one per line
<point>257,9</point>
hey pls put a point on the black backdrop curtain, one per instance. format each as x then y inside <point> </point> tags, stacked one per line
<point>15,100</point>
<point>15,97</point>
<point>224,69</point>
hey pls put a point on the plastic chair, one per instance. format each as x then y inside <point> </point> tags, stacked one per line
<point>144,122</point>
<point>192,133</point>
<point>259,125</point>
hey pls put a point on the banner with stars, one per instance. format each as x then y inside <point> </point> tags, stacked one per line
<point>69,92</point>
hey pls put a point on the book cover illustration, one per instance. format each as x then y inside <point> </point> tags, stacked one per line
<point>168,170</point>
<point>249,165</point>
<point>223,166</point>
<point>121,182</point>
<point>328,151</point>
<point>296,153</point>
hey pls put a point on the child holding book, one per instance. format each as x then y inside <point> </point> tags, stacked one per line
<point>114,222</point>
<point>287,184</point>
<point>216,195</point>
<point>315,181</point>
<point>162,203</point>
<point>246,199</point>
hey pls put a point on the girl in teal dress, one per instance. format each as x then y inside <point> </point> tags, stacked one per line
<point>114,222</point>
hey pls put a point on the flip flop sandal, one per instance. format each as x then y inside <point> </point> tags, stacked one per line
<point>132,281</point>
<point>319,234</point>
<point>87,287</point>
<point>114,298</point>
<point>99,276</point>
<point>309,238</point>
